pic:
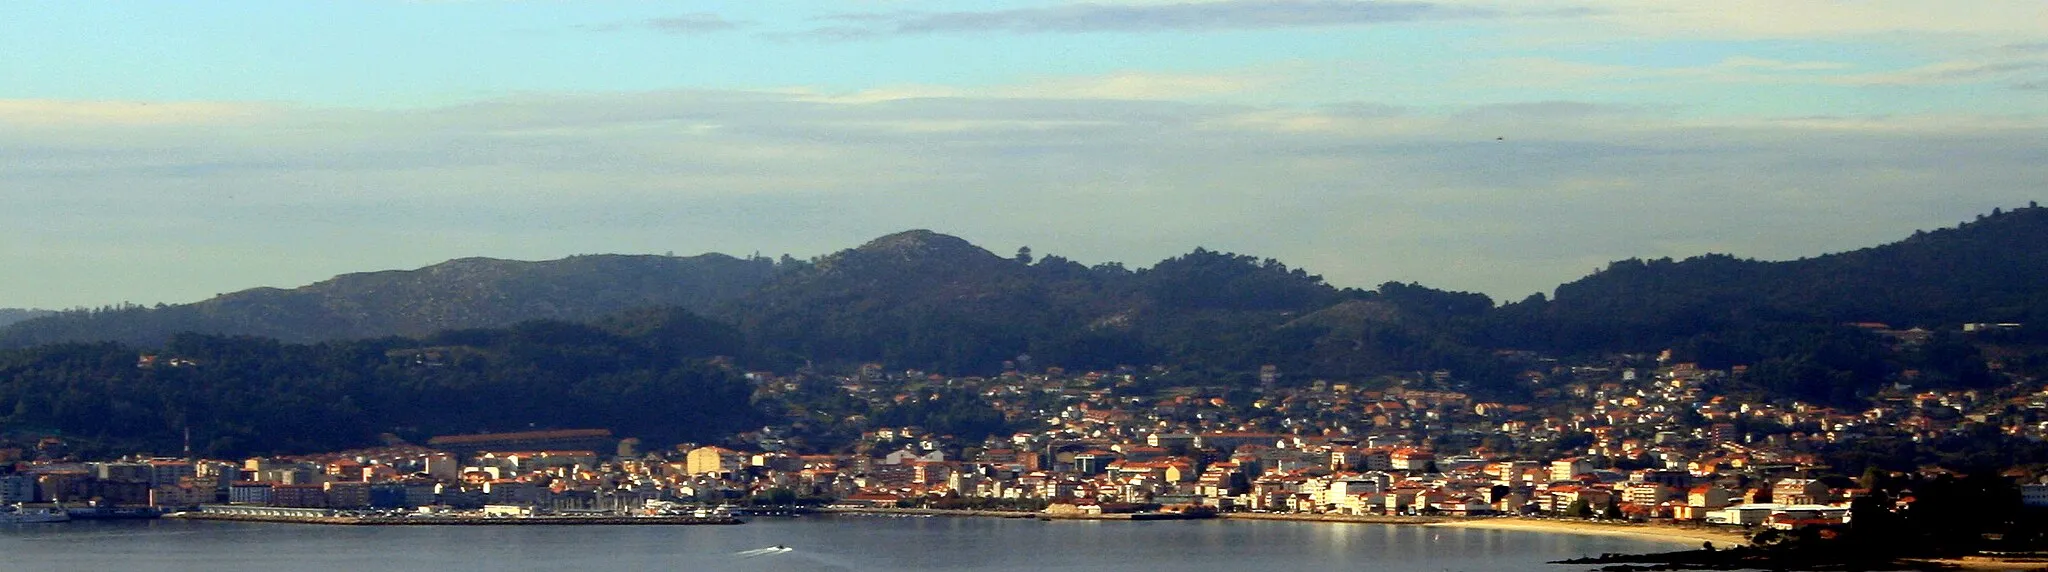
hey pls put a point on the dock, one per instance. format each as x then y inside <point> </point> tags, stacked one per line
<point>463,520</point>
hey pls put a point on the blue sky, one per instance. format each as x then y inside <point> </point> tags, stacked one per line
<point>169,151</point>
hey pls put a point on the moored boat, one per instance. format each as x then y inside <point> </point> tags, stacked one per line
<point>18,515</point>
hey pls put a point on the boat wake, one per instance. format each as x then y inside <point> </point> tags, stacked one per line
<point>759,552</point>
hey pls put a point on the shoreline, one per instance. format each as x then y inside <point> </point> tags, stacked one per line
<point>1986,563</point>
<point>1722,538</point>
<point>1148,516</point>
<point>1338,518</point>
<point>464,521</point>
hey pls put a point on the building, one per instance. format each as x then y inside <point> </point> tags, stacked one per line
<point>507,510</point>
<point>347,494</point>
<point>1568,469</point>
<point>2034,495</point>
<point>717,461</point>
<point>17,489</point>
<point>251,493</point>
<point>168,473</point>
<point>1645,494</point>
<point>122,472</point>
<point>1799,491</point>
<point>179,496</point>
<point>298,496</point>
<point>1411,459</point>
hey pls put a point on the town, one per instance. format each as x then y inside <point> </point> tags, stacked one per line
<point>1625,439</point>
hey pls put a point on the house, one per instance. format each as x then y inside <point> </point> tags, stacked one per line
<point>1699,501</point>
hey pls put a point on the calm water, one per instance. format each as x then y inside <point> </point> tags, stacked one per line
<point>850,543</point>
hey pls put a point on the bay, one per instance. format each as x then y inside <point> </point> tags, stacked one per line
<point>842,543</point>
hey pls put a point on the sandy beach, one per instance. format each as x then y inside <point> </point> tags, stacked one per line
<point>1720,537</point>
<point>1983,563</point>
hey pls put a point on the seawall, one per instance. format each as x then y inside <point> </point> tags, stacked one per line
<point>462,520</point>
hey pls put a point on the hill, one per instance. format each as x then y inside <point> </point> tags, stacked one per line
<point>925,300</point>
<point>617,342</point>
<point>464,293</point>
<point>649,374</point>
<point>1993,269</point>
<point>12,315</point>
<point>930,301</point>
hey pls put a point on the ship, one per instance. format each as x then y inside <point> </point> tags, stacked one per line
<point>18,515</point>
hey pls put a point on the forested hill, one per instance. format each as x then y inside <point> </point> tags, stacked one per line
<point>12,315</point>
<point>464,293</point>
<point>1993,269</point>
<point>648,374</point>
<point>926,300</point>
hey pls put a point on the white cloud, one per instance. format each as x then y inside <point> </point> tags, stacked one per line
<point>53,112</point>
<point>1360,193</point>
<point>1806,19</point>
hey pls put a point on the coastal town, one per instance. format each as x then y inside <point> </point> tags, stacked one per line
<point>1628,439</point>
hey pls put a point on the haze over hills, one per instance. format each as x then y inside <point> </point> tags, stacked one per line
<point>12,315</point>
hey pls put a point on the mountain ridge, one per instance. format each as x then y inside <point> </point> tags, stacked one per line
<point>925,299</point>
<point>461,293</point>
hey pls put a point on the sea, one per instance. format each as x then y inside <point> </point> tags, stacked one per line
<point>816,542</point>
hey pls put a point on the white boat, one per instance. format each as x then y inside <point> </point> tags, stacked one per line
<point>18,515</point>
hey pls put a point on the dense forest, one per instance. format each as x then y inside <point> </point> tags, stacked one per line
<point>645,374</point>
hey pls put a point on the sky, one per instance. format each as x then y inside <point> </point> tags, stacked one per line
<point>168,151</point>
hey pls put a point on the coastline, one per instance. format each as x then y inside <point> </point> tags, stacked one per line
<point>891,511</point>
<point>1725,538</point>
<point>461,520</point>
<point>1004,514</point>
<point>1720,537</point>
<point>1986,563</point>
<point>1343,518</point>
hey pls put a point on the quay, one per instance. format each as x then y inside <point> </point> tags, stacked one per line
<point>1131,516</point>
<point>331,517</point>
